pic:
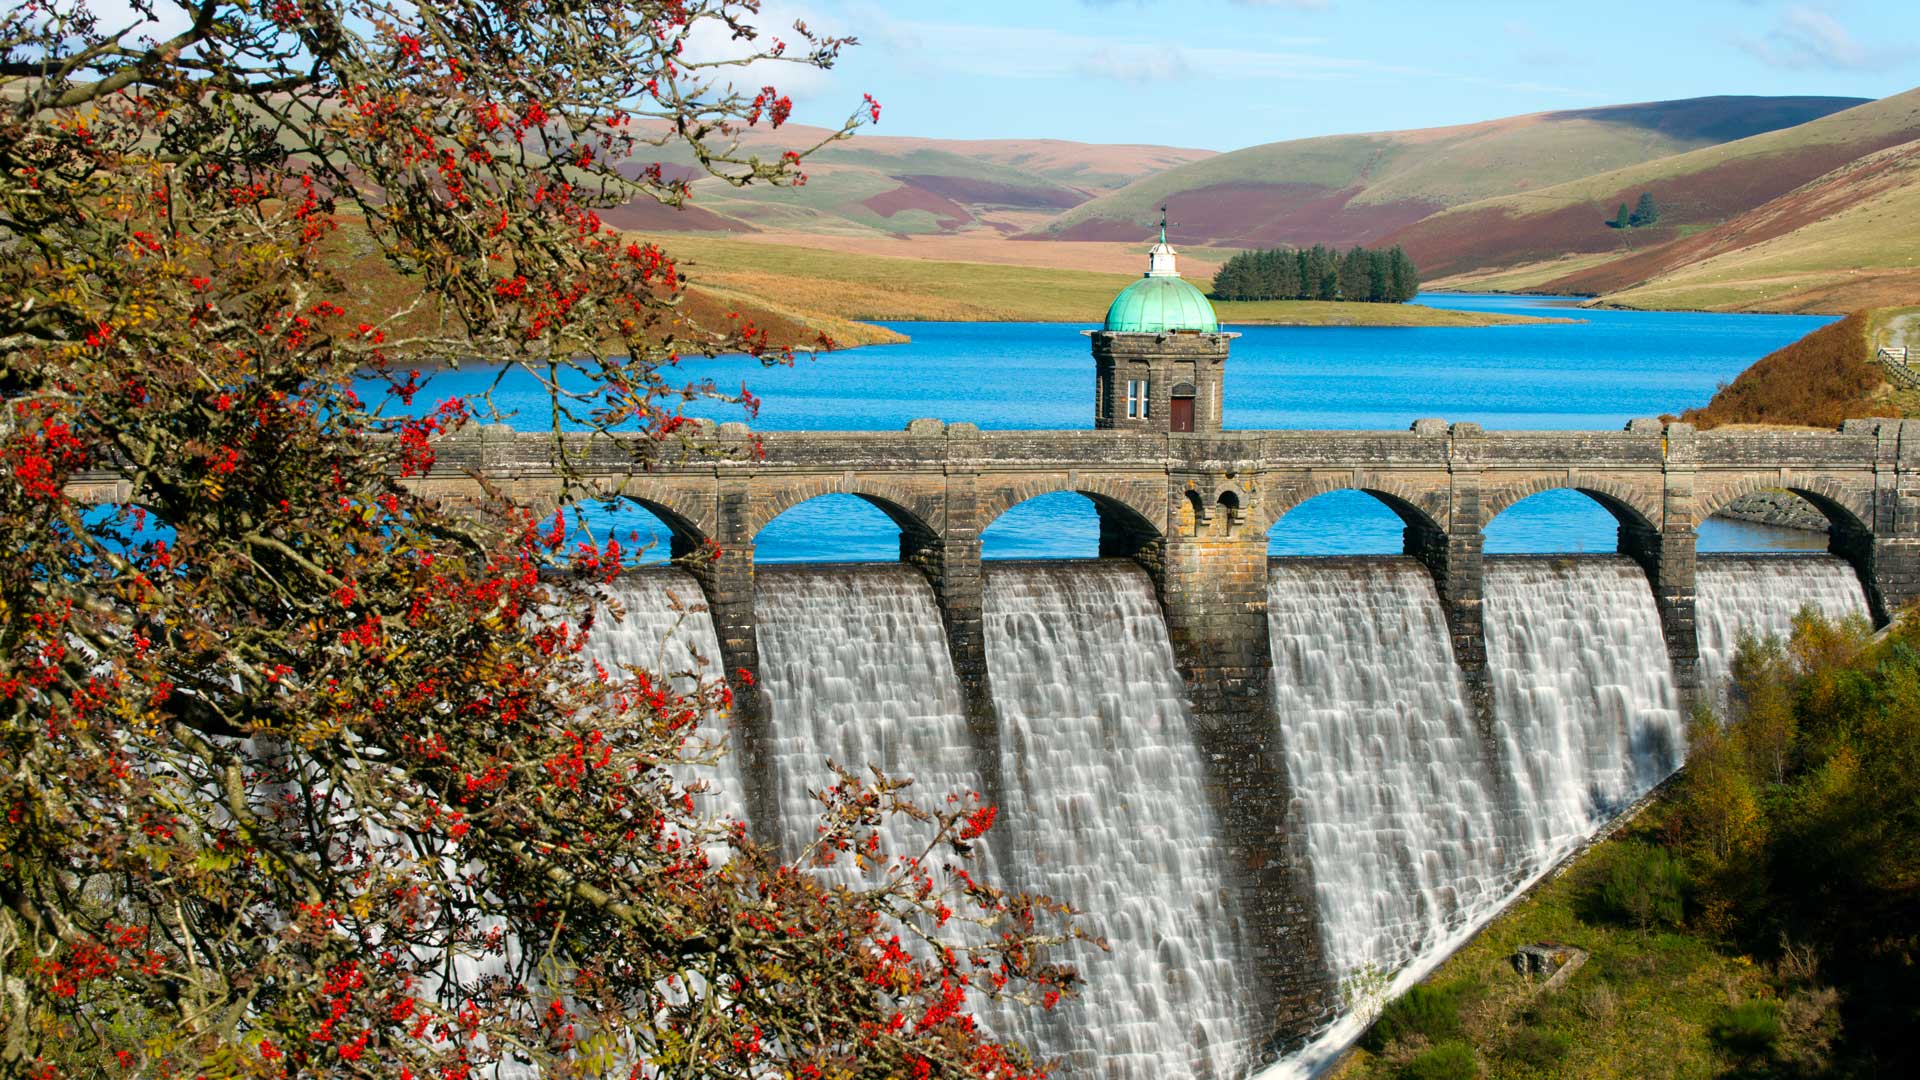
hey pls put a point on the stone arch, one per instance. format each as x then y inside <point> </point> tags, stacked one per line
<point>1630,506</point>
<point>1127,501</point>
<point>918,517</point>
<point>1420,511</point>
<point>1844,509</point>
<point>688,518</point>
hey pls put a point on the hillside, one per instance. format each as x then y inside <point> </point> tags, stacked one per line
<point>1850,239</point>
<point>880,185</point>
<point>1348,189</point>
<point>854,286</point>
<point>1695,190</point>
<point>1826,377</point>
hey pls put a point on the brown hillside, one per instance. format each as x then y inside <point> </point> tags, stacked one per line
<point>1824,378</point>
<point>1852,184</point>
<point>1708,186</point>
<point>1343,189</point>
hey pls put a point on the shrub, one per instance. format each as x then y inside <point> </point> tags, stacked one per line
<point>1748,1030</point>
<point>1432,1013</point>
<point>1645,886</point>
<point>1447,1061</point>
<point>1538,1047</point>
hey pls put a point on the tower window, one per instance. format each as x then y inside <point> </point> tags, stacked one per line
<point>1137,399</point>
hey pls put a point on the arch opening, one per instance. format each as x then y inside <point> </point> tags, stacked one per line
<point>1778,519</point>
<point>1069,525</point>
<point>648,533</point>
<point>1352,521</point>
<point>841,527</point>
<point>1563,521</point>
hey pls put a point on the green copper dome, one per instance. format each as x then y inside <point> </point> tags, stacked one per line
<point>1156,305</point>
<point>1161,302</point>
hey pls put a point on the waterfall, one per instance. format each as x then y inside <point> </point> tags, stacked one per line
<point>1392,782</point>
<point>855,666</point>
<point>665,630</point>
<point>1426,835</point>
<point>1107,810</point>
<point>1760,594</point>
<point>1583,691</point>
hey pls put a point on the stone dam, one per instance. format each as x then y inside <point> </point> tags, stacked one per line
<point>1263,779</point>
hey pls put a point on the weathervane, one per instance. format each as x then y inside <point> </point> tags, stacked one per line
<point>1163,223</point>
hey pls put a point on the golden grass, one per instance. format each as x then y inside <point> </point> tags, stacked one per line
<point>849,285</point>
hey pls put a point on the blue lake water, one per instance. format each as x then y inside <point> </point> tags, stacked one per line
<point>1595,374</point>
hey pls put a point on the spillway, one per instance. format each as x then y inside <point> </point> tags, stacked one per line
<point>665,630</point>
<point>1394,785</point>
<point>1107,808</point>
<point>1760,595</point>
<point>855,667</point>
<point>1419,818</point>
<point>1583,691</point>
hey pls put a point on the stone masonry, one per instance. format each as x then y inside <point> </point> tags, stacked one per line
<point>1194,510</point>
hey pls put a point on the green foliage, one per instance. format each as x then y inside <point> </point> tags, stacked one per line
<point>1318,273</point>
<point>1749,1030</point>
<point>1432,1013</point>
<point>1452,1060</point>
<point>1538,1048</point>
<point>1645,886</point>
<point>1644,212</point>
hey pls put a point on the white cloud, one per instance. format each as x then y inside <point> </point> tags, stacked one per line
<point>1803,38</point>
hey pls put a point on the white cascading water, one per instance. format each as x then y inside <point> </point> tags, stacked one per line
<point>665,630</point>
<point>855,667</point>
<point>1106,808</point>
<point>1760,595</point>
<point>1585,718</point>
<point>1582,689</point>
<point>1391,778</point>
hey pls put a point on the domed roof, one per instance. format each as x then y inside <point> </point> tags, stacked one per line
<point>1162,301</point>
<point>1157,305</point>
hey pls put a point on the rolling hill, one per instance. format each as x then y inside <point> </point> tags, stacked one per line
<point>1348,189</point>
<point>1697,189</point>
<point>1849,239</point>
<point>881,185</point>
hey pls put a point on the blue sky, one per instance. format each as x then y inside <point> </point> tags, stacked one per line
<point>1228,73</point>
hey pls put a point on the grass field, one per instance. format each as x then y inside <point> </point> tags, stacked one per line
<point>1644,1004</point>
<point>881,288</point>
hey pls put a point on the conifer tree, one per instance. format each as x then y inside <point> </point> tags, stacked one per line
<point>1621,220</point>
<point>1644,212</point>
<point>1353,275</point>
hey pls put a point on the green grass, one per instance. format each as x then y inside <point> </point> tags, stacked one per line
<point>1646,1003</point>
<point>883,288</point>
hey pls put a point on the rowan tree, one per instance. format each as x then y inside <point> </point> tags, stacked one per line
<point>303,771</point>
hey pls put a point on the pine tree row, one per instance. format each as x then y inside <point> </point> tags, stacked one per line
<point>1318,273</point>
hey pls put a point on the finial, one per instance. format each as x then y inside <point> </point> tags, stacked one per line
<point>1163,223</point>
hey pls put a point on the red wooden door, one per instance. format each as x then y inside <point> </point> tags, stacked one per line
<point>1182,414</point>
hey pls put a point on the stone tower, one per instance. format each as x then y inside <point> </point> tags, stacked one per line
<point>1160,360</point>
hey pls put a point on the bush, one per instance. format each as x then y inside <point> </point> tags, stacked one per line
<point>1749,1030</point>
<point>1645,886</point>
<point>1448,1061</point>
<point>1538,1047</point>
<point>1429,1012</point>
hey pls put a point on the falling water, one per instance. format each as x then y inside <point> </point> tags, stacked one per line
<point>855,666</point>
<point>1392,781</point>
<point>1583,691</point>
<point>665,630</point>
<point>1760,594</point>
<point>1107,810</point>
